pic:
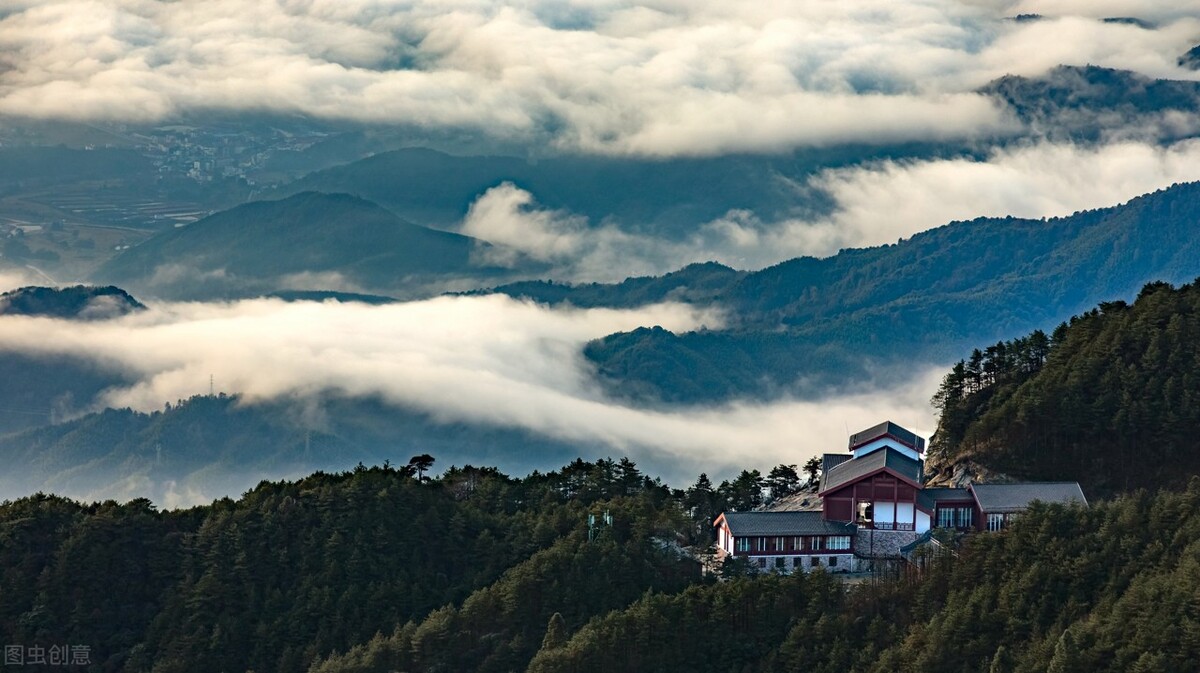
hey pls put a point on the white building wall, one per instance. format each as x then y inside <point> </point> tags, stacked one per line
<point>904,512</point>
<point>883,511</point>
<point>922,521</point>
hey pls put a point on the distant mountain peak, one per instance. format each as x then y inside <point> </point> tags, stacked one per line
<point>1191,59</point>
<point>80,302</point>
<point>307,241</point>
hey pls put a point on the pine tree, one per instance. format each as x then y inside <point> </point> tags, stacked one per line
<point>556,632</point>
<point>782,481</point>
<point>1066,654</point>
<point>421,464</point>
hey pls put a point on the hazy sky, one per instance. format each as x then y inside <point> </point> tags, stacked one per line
<point>663,77</point>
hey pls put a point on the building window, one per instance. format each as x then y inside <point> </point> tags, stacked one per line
<point>797,543</point>
<point>945,518</point>
<point>816,562</point>
<point>743,544</point>
<point>832,561</point>
<point>780,562</point>
<point>816,543</point>
<point>797,561</point>
<point>995,522</point>
<point>839,542</point>
<point>778,544</point>
<point>762,562</point>
<point>965,516</point>
<point>762,543</point>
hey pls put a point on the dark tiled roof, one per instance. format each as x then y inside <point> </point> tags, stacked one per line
<point>923,538</point>
<point>784,523</point>
<point>931,496</point>
<point>888,428</point>
<point>832,460</point>
<point>859,467</point>
<point>1015,497</point>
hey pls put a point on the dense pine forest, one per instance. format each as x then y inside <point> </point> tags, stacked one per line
<point>1066,589</point>
<point>1110,398</point>
<point>391,568</point>
<point>379,569</point>
<point>297,570</point>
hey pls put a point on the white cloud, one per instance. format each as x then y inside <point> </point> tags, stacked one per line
<point>489,360</point>
<point>881,203</point>
<point>505,215</point>
<point>660,77</point>
<point>872,204</point>
<point>511,217</point>
<point>12,278</point>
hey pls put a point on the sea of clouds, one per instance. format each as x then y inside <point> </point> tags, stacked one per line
<point>654,78</point>
<point>657,78</point>
<point>487,360</point>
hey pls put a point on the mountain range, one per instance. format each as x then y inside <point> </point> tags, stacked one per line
<point>867,315</point>
<point>671,196</point>
<point>804,327</point>
<point>211,445</point>
<point>309,241</point>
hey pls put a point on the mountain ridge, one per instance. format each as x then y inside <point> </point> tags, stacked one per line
<point>851,314</point>
<point>311,238</point>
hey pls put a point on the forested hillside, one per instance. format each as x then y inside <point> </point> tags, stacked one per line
<point>385,569</point>
<point>296,570</point>
<point>1083,103</point>
<point>1076,590</point>
<point>78,302</point>
<point>866,314</point>
<point>1111,398</point>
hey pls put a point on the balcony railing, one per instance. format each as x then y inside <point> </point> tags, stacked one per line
<point>882,525</point>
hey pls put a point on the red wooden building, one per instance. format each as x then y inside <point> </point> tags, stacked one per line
<point>873,502</point>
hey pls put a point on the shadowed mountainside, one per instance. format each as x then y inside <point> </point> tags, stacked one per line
<point>307,241</point>
<point>867,313</point>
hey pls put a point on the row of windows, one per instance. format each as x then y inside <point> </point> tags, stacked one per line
<point>955,517</point>
<point>1000,521</point>
<point>781,563</point>
<point>792,543</point>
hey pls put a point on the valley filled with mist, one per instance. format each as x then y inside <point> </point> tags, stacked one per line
<point>430,336</point>
<point>537,290</point>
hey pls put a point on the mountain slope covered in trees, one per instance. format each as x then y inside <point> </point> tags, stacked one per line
<point>381,569</point>
<point>293,571</point>
<point>77,302</point>
<point>378,570</point>
<point>1085,103</point>
<point>809,324</point>
<point>1065,590</point>
<point>1110,398</point>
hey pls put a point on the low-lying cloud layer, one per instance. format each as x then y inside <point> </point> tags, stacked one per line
<point>488,360</point>
<point>658,77</point>
<point>873,204</point>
